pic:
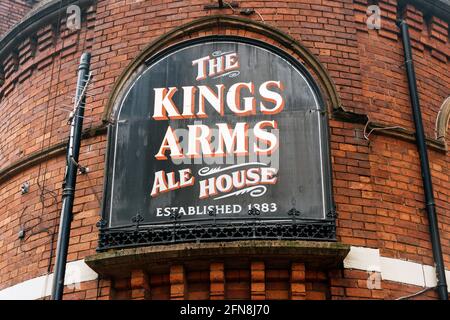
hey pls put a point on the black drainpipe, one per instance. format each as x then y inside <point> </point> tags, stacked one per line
<point>70,179</point>
<point>424,164</point>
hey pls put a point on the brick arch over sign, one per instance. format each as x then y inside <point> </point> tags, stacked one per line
<point>221,25</point>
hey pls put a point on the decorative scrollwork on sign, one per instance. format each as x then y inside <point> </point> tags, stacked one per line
<point>219,53</point>
<point>255,191</point>
<point>207,171</point>
<point>231,74</point>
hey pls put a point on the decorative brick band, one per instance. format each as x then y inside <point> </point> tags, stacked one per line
<point>44,155</point>
<point>359,258</point>
<point>45,15</point>
<point>220,22</point>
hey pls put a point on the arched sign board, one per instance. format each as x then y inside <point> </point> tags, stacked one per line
<point>218,139</point>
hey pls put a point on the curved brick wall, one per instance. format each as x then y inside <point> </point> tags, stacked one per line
<point>377,182</point>
<point>11,12</point>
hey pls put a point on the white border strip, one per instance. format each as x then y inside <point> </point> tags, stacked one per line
<point>40,287</point>
<point>396,270</point>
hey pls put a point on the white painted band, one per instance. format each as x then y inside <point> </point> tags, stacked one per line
<point>396,270</point>
<point>360,258</point>
<point>40,287</point>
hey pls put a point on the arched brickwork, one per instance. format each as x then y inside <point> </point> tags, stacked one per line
<point>222,25</point>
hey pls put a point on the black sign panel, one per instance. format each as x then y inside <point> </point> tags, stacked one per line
<point>216,134</point>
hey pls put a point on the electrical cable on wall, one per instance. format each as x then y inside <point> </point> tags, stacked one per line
<point>246,11</point>
<point>231,7</point>
<point>262,19</point>
<point>416,294</point>
<point>366,136</point>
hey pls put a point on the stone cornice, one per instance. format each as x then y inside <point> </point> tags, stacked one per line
<point>314,254</point>
<point>438,8</point>
<point>49,11</point>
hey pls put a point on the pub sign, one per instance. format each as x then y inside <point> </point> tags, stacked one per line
<point>218,138</point>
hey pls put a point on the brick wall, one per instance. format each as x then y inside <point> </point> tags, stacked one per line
<point>377,181</point>
<point>256,280</point>
<point>11,12</point>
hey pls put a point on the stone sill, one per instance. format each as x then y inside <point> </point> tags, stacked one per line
<point>315,254</point>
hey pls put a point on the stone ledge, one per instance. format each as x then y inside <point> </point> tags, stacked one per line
<point>315,254</point>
